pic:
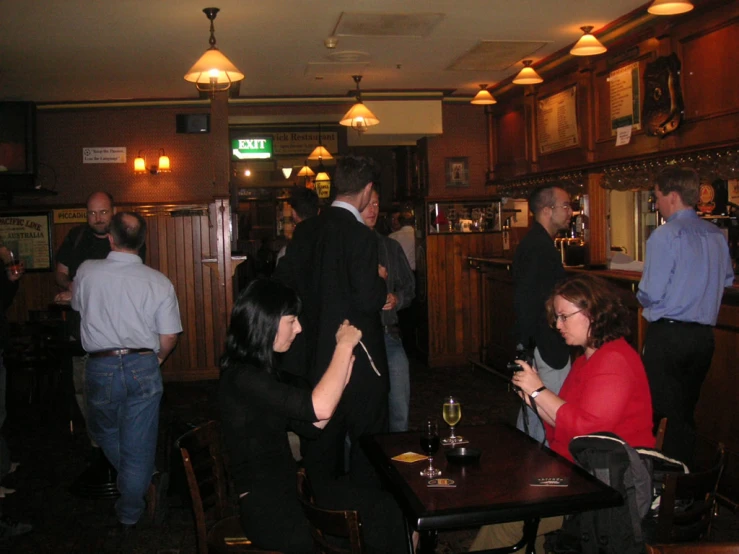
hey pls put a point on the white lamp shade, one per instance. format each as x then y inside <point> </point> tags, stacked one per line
<point>287,171</point>
<point>483,97</point>
<point>359,117</point>
<point>670,7</point>
<point>320,153</point>
<point>139,165</point>
<point>527,76</point>
<point>213,65</point>
<point>164,166</point>
<point>588,45</point>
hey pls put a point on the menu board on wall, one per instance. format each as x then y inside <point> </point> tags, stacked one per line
<point>556,118</point>
<point>624,85</point>
<point>28,236</point>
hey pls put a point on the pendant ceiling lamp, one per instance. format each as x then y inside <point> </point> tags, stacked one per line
<point>670,7</point>
<point>306,171</point>
<point>588,45</point>
<point>213,72</point>
<point>483,97</point>
<point>527,76</point>
<point>322,182</point>
<point>359,117</point>
<point>320,152</point>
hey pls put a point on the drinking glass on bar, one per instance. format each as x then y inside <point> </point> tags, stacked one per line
<point>452,412</point>
<point>430,444</point>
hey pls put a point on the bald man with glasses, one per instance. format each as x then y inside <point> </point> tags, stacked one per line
<point>537,268</point>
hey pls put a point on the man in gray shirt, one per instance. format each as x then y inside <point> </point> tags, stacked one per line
<point>400,291</point>
<point>130,324</point>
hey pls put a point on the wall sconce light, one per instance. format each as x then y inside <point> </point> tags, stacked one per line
<point>162,165</point>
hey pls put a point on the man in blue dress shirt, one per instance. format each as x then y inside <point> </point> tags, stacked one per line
<point>686,270</point>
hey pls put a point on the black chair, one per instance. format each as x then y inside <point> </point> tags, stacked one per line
<point>217,530</point>
<point>345,524</point>
<point>687,504</point>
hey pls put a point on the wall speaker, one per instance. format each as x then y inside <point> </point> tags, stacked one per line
<point>193,123</point>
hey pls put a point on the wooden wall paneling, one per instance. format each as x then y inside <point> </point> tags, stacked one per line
<point>208,275</point>
<point>435,268</point>
<point>510,142</point>
<point>597,243</point>
<point>225,282</point>
<point>450,299</point>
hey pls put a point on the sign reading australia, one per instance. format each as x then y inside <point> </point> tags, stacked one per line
<point>252,148</point>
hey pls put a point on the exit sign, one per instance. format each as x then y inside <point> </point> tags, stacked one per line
<point>252,148</point>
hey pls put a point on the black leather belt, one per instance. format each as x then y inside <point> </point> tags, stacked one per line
<point>120,352</point>
<point>678,322</point>
<point>391,329</point>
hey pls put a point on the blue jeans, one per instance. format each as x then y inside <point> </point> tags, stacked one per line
<point>123,395</point>
<point>399,397</point>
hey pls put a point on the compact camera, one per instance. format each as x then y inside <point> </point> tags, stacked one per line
<point>523,355</point>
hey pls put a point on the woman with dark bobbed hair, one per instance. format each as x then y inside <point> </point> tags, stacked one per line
<point>258,407</point>
<point>606,390</point>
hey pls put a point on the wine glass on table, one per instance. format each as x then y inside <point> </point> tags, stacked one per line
<point>430,444</point>
<point>452,412</point>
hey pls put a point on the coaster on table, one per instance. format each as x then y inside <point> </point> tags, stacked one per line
<point>549,482</point>
<point>441,484</point>
<point>409,457</point>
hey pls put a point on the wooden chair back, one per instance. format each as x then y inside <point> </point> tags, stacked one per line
<point>337,523</point>
<point>679,519</point>
<point>695,548</point>
<point>202,457</point>
<point>660,435</point>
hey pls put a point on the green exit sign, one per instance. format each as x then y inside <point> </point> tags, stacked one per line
<point>252,148</point>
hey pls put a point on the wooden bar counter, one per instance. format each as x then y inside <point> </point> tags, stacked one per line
<point>717,418</point>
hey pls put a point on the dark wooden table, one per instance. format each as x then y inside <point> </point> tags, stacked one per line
<point>494,490</point>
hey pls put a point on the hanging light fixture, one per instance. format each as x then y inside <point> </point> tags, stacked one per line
<point>306,171</point>
<point>588,45</point>
<point>320,152</point>
<point>483,97</point>
<point>359,117</point>
<point>213,72</point>
<point>670,7</point>
<point>322,182</point>
<point>527,76</point>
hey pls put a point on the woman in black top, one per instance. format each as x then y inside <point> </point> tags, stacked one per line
<point>258,408</point>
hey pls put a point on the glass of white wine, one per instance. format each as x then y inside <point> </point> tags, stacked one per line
<point>452,412</point>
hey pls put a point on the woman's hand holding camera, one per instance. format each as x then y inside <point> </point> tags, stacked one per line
<point>527,379</point>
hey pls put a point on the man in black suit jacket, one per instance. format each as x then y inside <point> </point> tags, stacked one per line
<point>332,263</point>
<point>537,267</point>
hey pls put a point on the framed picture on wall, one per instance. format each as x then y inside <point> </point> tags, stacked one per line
<point>27,235</point>
<point>457,172</point>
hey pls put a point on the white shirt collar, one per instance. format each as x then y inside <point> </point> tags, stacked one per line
<point>346,206</point>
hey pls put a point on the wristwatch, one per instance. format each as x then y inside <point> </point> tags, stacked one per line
<point>537,392</point>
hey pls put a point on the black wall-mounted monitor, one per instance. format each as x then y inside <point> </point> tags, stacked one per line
<point>193,123</point>
<point>17,139</point>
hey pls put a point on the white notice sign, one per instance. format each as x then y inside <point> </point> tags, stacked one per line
<point>556,121</point>
<point>624,85</point>
<point>104,155</point>
<point>623,135</point>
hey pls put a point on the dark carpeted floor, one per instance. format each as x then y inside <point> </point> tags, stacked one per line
<point>51,457</point>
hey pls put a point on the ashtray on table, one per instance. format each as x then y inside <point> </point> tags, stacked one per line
<point>463,455</point>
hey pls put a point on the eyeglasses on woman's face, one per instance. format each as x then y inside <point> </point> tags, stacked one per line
<point>562,318</point>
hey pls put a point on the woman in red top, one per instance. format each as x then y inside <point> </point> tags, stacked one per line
<point>606,390</point>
